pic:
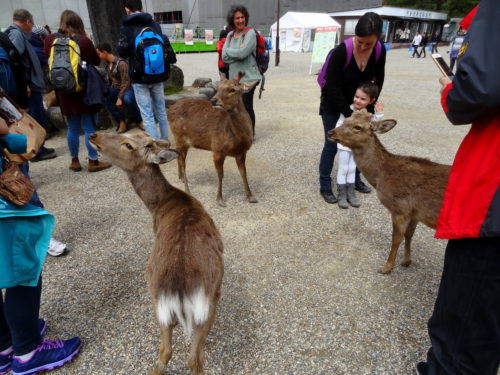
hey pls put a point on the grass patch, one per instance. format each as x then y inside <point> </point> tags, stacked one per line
<point>172,90</point>
<point>196,47</point>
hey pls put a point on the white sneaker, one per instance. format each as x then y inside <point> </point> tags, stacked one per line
<point>56,248</point>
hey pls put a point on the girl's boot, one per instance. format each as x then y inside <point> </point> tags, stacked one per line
<point>342,197</point>
<point>351,196</point>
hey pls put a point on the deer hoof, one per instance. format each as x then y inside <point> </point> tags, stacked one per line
<point>252,199</point>
<point>406,263</point>
<point>386,269</point>
<point>221,203</point>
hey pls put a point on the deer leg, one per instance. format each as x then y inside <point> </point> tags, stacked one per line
<point>219,166</point>
<point>181,162</point>
<point>197,356</point>
<point>240,161</point>
<point>399,225</point>
<point>408,236</point>
<point>165,349</point>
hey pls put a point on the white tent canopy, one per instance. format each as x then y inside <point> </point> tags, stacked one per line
<point>296,29</point>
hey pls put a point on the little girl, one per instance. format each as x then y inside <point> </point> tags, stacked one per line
<point>366,94</point>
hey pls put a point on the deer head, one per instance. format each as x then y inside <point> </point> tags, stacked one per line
<point>229,92</point>
<point>359,128</point>
<point>132,151</point>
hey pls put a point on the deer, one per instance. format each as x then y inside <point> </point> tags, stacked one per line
<point>186,266</point>
<point>411,188</point>
<point>221,125</point>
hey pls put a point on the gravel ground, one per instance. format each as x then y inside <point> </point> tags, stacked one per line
<point>301,293</point>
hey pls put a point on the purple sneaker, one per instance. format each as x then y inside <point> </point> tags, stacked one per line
<point>6,359</point>
<point>5,363</point>
<point>48,355</point>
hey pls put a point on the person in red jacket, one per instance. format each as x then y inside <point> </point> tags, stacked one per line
<point>464,328</point>
<point>223,67</point>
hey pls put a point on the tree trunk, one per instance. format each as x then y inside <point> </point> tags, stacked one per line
<point>105,19</point>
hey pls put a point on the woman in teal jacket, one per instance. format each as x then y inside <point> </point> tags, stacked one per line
<point>25,234</point>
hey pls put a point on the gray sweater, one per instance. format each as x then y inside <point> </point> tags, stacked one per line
<point>239,53</point>
<point>20,39</point>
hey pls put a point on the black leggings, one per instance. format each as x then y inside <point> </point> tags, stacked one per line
<point>465,326</point>
<point>248,102</point>
<point>19,318</point>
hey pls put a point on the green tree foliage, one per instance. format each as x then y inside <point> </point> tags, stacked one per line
<point>454,8</point>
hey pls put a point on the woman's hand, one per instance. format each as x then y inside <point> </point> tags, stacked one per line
<point>444,81</point>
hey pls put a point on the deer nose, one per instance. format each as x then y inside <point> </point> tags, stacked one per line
<point>93,135</point>
<point>331,131</point>
<point>213,101</point>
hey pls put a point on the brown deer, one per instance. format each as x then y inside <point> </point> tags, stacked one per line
<point>410,188</point>
<point>224,128</point>
<point>185,269</point>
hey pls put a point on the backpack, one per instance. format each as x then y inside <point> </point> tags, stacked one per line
<point>151,63</point>
<point>349,46</point>
<point>66,69</point>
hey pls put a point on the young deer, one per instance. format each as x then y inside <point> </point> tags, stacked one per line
<point>410,188</point>
<point>225,129</point>
<point>185,269</point>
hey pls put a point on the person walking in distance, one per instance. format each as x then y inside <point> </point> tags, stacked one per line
<point>147,85</point>
<point>423,44</point>
<point>464,328</point>
<point>417,39</point>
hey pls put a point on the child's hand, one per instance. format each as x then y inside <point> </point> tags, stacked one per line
<point>379,106</point>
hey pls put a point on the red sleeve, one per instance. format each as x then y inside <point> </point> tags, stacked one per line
<point>88,51</point>
<point>48,43</point>
<point>444,97</point>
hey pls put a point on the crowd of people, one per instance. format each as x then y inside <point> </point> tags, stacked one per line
<point>464,328</point>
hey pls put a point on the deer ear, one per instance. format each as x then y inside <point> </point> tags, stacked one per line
<point>164,156</point>
<point>383,126</point>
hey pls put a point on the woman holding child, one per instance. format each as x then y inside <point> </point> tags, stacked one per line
<point>343,77</point>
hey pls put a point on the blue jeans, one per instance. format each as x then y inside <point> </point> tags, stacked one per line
<point>75,123</point>
<point>465,325</point>
<point>128,100</point>
<point>151,101</point>
<point>328,153</point>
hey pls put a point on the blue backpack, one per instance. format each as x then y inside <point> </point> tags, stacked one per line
<point>150,63</point>
<point>349,46</point>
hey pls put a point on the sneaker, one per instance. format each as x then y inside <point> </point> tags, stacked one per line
<point>47,356</point>
<point>56,247</point>
<point>44,154</point>
<point>6,359</point>
<point>5,363</point>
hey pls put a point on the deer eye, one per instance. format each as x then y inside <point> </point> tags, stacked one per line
<point>129,146</point>
<point>232,90</point>
<point>357,127</point>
